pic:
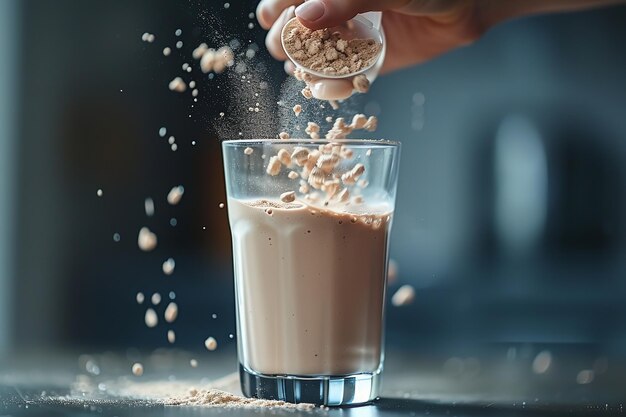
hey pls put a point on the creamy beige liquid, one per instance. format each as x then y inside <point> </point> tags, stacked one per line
<point>310,287</point>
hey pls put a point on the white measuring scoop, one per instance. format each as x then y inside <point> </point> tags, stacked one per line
<point>339,86</point>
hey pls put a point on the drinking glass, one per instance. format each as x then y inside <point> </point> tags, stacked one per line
<point>310,274</point>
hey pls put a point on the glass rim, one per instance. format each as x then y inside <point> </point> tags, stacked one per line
<point>309,141</point>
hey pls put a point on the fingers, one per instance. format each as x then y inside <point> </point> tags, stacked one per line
<point>273,38</point>
<point>319,14</point>
<point>268,11</point>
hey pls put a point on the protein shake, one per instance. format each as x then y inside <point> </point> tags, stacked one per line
<point>310,222</point>
<point>310,286</point>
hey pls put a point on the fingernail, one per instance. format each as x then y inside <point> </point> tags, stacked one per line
<point>311,10</point>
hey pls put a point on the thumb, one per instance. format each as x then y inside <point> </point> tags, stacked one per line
<point>319,14</point>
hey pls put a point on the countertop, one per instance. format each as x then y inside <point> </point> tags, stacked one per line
<point>498,380</point>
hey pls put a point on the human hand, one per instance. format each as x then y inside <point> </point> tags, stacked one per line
<point>416,30</point>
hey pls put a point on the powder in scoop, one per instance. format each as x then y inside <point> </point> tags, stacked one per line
<point>327,52</point>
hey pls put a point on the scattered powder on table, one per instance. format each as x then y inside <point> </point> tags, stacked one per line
<point>327,52</point>
<point>217,398</point>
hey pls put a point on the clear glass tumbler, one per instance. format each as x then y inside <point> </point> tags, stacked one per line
<point>310,253</point>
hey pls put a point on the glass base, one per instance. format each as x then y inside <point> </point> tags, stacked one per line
<point>321,390</point>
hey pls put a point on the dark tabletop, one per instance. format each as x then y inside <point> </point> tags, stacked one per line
<point>520,380</point>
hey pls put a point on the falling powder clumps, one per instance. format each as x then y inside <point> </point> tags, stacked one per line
<point>218,398</point>
<point>151,318</point>
<point>171,313</point>
<point>210,344</point>
<point>404,296</point>
<point>178,85</point>
<point>148,205</point>
<point>212,60</point>
<point>146,240</point>
<point>137,369</point>
<point>156,299</point>
<point>175,195</point>
<point>168,266</point>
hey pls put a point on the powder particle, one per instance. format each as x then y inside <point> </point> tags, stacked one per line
<point>151,318</point>
<point>99,193</point>
<point>371,124</point>
<point>146,240</point>
<point>193,363</point>
<point>140,298</point>
<point>210,343</point>
<point>148,206</point>
<point>293,175</point>
<point>248,151</point>
<point>307,93</point>
<point>156,299</point>
<point>137,369</point>
<point>168,266</point>
<point>358,121</point>
<point>288,197</point>
<point>217,398</point>
<point>148,37</point>
<point>273,167</point>
<point>217,61</point>
<point>199,51</point>
<point>350,177</point>
<point>162,132</point>
<point>284,157</point>
<point>175,195</point>
<point>221,205</point>
<point>283,135</point>
<point>404,296</point>
<point>167,51</point>
<point>171,312</point>
<point>178,85</point>
<point>171,336</point>
<point>392,271</point>
<point>297,109</point>
<point>327,52</point>
<point>361,83</point>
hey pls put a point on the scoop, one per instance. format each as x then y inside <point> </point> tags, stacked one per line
<point>363,26</point>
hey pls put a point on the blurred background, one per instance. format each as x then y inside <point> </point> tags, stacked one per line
<point>511,215</point>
